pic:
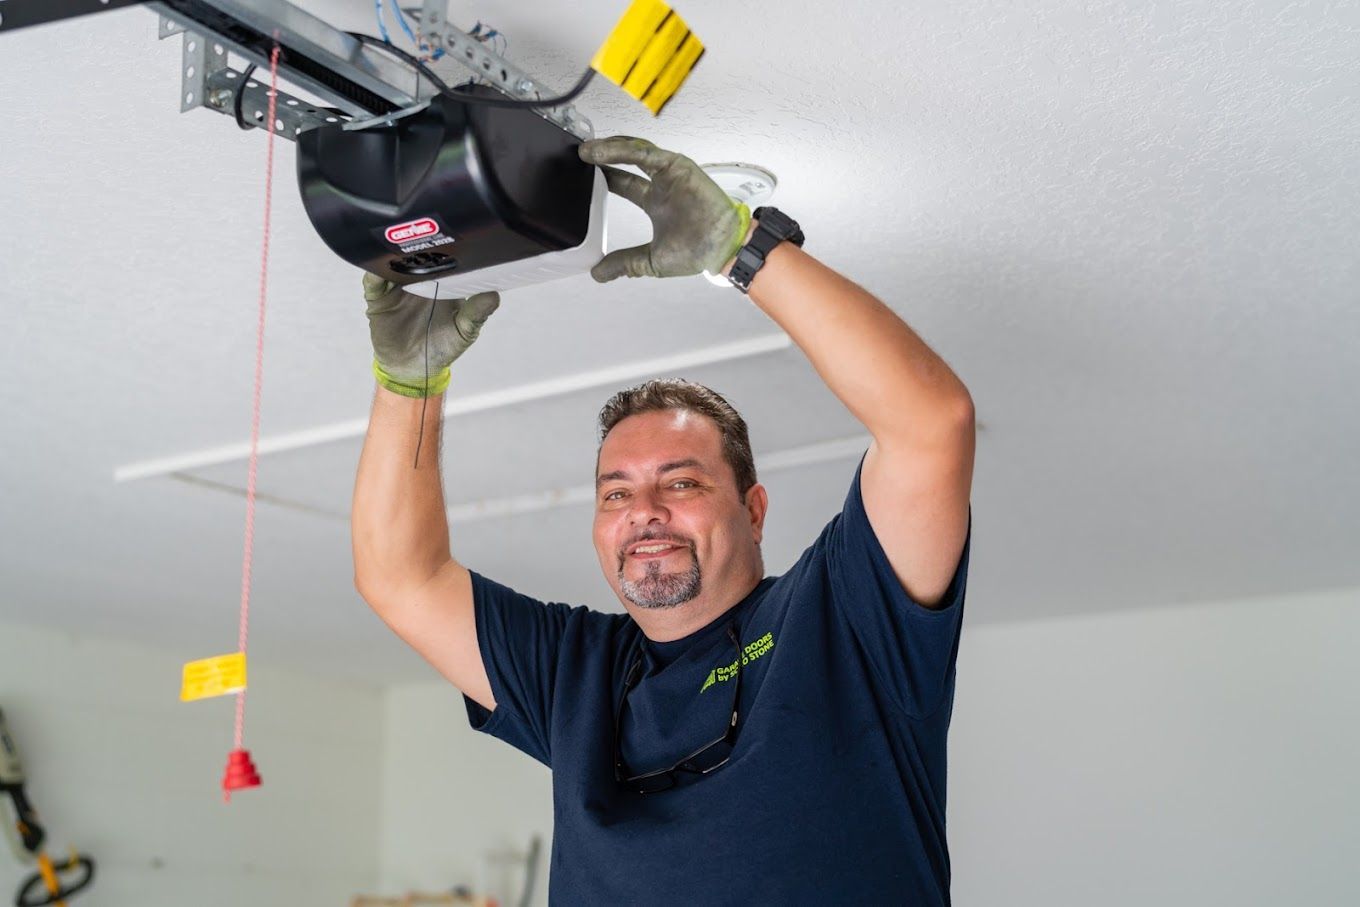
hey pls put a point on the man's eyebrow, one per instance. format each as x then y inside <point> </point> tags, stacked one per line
<point>687,463</point>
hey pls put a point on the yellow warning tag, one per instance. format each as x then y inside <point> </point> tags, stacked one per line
<point>649,53</point>
<point>215,676</point>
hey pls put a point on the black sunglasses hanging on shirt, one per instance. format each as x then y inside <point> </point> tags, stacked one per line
<point>706,759</point>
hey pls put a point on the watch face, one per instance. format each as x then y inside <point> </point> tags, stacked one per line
<point>777,222</point>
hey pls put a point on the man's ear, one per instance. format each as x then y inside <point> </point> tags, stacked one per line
<point>757,502</point>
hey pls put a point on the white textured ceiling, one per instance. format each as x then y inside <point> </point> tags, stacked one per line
<point>1130,227</point>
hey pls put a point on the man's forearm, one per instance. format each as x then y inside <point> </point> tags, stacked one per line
<point>879,368</point>
<point>399,525</point>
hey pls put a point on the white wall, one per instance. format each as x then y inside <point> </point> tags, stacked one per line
<point>1202,755</point>
<point>1199,755</point>
<point>451,795</point>
<point>118,767</point>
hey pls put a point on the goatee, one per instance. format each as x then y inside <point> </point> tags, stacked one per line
<point>662,590</point>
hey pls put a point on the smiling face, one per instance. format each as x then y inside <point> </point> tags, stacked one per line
<point>671,528</point>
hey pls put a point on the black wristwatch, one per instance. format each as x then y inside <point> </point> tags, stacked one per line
<point>774,228</point>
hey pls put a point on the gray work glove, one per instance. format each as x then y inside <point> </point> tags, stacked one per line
<point>695,225</point>
<point>397,322</point>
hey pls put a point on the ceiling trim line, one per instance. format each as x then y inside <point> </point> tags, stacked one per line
<point>510,396</point>
<point>553,498</point>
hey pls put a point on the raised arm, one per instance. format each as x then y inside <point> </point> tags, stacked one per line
<point>402,564</point>
<point>919,469</point>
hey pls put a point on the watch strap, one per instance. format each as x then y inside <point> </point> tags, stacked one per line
<point>774,227</point>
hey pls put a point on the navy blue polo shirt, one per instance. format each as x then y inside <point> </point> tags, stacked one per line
<point>835,790</point>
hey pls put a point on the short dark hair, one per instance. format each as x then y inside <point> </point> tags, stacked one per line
<point>676,393</point>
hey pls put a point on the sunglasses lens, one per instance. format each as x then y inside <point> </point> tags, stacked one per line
<point>652,784</point>
<point>713,757</point>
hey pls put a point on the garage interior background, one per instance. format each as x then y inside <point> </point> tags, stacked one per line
<point>1130,228</point>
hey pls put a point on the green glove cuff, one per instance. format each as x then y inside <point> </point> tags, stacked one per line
<point>439,382</point>
<point>744,213</point>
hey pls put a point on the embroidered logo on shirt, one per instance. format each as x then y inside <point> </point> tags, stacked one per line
<point>724,673</point>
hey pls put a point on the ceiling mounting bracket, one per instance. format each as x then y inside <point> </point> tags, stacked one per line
<point>169,28</point>
<point>202,59</point>
<point>494,69</point>
<point>291,114</point>
<point>352,80</point>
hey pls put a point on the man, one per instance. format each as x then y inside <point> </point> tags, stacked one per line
<point>732,738</point>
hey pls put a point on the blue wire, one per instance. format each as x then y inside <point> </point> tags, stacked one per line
<point>382,26</point>
<point>405,26</point>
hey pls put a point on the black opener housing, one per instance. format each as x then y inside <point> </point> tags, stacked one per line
<point>450,189</point>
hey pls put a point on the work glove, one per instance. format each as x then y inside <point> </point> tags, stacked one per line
<point>695,225</point>
<point>415,340</point>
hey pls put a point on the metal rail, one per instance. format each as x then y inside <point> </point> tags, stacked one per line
<point>358,83</point>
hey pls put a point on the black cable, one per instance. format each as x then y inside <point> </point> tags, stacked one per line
<point>240,92</point>
<point>469,98</point>
<point>420,439</point>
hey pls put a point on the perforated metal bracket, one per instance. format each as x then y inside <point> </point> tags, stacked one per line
<point>365,82</point>
<point>493,68</point>
<point>169,29</point>
<point>208,81</point>
<point>202,58</point>
<point>291,115</point>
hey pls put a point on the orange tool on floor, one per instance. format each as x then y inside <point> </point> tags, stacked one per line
<point>54,882</point>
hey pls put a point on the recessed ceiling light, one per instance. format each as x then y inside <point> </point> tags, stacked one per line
<point>751,184</point>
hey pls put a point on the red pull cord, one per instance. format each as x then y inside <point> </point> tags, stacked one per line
<point>249,778</point>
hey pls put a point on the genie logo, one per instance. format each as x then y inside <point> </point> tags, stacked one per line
<point>411,230</point>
